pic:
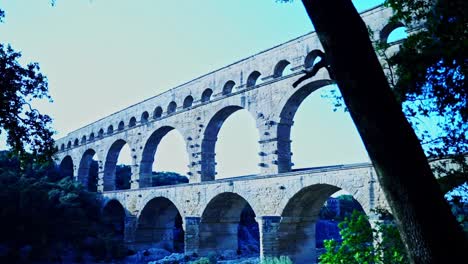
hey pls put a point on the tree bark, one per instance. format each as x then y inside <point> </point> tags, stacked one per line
<point>427,226</point>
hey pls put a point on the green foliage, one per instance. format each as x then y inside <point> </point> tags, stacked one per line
<point>280,260</point>
<point>167,178</point>
<point>27,130</point>
<point>358,246</point>
<point>432,66</point>
<point>49,218</point>
<point>458,201</point>
<point>390,249</point>
<point>123,174</point>
<point>202,260</point>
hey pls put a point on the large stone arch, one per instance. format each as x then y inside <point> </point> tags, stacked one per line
<point>286,110</point>
<point>111,162</point>
<point>84,170</point>
<point>171,196</point>
<point>66,166</point>
<point>149,150</point>
<point>333,184</point>
<point>220,221</point>
<point>296,232</point>
<point>160,224</point>
<point>210,137</point>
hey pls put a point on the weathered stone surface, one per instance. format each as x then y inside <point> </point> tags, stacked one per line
<point>198,117</point>
<point>286,203</point>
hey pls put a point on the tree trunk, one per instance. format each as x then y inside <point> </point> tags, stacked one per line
<point>428,228</point>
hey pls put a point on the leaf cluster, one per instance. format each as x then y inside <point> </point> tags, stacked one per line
<point>358,246</point>
<point>25,126</point>
<point>27,130</point>
<point>432,65</point>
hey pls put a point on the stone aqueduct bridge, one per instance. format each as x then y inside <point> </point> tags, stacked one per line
<point>286,202</point>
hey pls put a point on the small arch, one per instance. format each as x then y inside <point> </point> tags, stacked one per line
<point>160,223</point>
<point>206,95</point>
<point>188,101</point>
<point>91,136</point>
<point>110,129</point>
<point>252,79</point>
<point>311,58</point>
<point>62,147</point>
<point>83,139</point>
<point>132,122</point>
<point>157,112</point>
<point>398,34</point>
<point>75,142</point>
<point>280,68</point>
<point>388,29</point>
<point>144,117</point>
<point>227,88</point>
<point>224,222</point>
<point>101,133</point>
<point>113,216</point>
<point>171,108</point>
<point>66,167</point>
<point>121,125</point>
<point>69,144</point>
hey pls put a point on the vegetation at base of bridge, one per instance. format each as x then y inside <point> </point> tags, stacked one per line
<point>358,242</point>
<point>46,217</point>
<point>362,243</point>
<point>279,260</point>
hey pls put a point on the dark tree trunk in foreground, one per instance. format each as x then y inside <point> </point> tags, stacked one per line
<point>426,224</point>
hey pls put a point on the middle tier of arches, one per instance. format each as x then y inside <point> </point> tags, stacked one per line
<point>272,116</point>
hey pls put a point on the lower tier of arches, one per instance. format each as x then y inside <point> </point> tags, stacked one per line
<point>276,215</point>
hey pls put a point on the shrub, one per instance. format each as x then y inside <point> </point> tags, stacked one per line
<point>358,243</point>
<point>280,260</point>
<point>201,261</point>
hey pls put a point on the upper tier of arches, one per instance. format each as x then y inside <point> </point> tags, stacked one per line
<point>198,114</point>
<point>254,71</point>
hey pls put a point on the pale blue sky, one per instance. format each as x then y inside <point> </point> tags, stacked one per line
<point>103,55</point>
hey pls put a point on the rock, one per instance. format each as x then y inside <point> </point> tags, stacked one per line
<point>253,260</point>
<point>147,255</point>
<point>174,258</point>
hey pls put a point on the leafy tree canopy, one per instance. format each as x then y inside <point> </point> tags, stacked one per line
<point>357,245</point>
<point>432,66</point>
<point>27,130</point>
